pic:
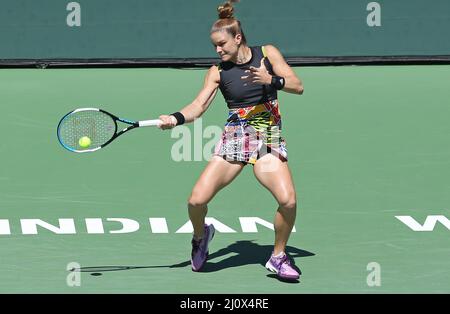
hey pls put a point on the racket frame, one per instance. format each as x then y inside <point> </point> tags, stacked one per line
<point>132,125</point>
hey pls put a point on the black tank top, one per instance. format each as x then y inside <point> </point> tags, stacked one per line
<point>238,95</point>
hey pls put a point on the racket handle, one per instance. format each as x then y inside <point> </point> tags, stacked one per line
<point>149,122</point>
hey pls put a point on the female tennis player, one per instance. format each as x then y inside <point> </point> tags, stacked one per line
<point>249,78</point>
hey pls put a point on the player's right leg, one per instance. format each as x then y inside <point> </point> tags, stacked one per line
<point>217,174</point>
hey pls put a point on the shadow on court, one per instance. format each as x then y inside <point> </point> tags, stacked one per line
<point>244,252</point>
<point>247,253</point>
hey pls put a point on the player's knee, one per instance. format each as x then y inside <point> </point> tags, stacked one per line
<point>288,202</point>
<point>197,200</point>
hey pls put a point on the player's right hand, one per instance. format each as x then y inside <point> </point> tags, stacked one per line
<point>168,122</point>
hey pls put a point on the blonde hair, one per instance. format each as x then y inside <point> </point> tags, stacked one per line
<point>227,22</point>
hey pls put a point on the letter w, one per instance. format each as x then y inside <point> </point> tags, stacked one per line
<point>428,225</point>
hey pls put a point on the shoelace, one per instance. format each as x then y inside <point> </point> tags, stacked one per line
<point>282,260</point>
<point>286,263</point>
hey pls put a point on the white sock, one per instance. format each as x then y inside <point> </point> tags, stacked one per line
<point>281,254</point>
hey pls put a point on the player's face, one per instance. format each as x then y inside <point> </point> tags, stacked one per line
<point>226,46</point>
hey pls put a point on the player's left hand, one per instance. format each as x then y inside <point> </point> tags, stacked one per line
<point>258,75</point>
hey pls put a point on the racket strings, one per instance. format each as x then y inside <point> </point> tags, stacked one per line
<point>96,125</point>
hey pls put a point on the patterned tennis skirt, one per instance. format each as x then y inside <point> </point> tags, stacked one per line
<point>252,132</point>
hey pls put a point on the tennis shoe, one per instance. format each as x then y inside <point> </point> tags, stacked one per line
<point>282,267</point>
<point>200,251</point>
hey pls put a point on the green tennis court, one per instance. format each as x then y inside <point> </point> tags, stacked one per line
<point>366,144</point>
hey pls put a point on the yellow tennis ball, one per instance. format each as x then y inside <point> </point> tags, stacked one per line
<point>84,142</point>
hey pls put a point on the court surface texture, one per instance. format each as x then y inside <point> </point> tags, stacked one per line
<point>369,150</point>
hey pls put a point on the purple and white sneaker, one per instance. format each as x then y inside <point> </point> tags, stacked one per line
<point>282,267</point>
<point>200,251</point>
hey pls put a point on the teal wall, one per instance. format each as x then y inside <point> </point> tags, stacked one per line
<point>36,29</point>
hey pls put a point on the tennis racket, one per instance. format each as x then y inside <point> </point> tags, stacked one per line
<point>89,129</point>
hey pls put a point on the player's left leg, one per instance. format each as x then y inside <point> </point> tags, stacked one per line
<point>275,175</point>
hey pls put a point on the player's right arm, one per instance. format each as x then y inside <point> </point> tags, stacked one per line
<point>200,104</point>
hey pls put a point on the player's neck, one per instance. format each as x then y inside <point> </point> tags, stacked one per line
<point>244,55</point>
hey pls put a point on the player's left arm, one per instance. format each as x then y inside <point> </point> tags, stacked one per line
<point>292,84</point>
